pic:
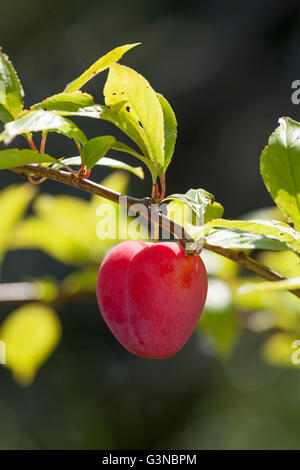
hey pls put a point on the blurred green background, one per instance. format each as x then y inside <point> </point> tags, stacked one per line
<point>226,67</point>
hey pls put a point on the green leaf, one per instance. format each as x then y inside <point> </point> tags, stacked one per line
<point>237,240</point>
<point>287,284</point>
<point>214,211</point>
<point>286,263</point>
<point>280,168</point>
<point>273,233</point>
<point>11,158</point>
<point>66,102</point>
<point>14,201</point>
<point>109,162</point>
<point>94,111</point>
<point>134,107</point>
<point>11,91</point>
<point>188,210</point>
<point>95,149</point>
<point>5,116</point>
<point>99,66</point>
<point>40,120</point>
<point>30,334</point>
<point>170,129</point>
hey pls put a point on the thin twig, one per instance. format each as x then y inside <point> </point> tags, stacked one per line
<point>172,227</point>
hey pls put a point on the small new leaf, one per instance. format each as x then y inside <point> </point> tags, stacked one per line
<point>214,211</point>
<point>99,66</point>
<point>95,149</point>
<point>198,200</point>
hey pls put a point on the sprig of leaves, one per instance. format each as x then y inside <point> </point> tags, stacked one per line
<point>131,104</point>
<point>146,117</point>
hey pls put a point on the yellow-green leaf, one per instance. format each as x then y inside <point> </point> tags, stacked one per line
<point>170,129</point>
<point>95,149</point>
<point>271,233</point>
<point>99,66</point>
<point>286,263</point>
<point>14,201</point>
<point>11,158</point>
<point>37,121</point>
<point>134,106</point>
<point>65,102</point>
<point>30,334</point>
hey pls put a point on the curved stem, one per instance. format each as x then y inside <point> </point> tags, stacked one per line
<point>172,227</point>
<point>37,181</point>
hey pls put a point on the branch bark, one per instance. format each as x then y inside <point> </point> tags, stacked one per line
<point>177,230</point>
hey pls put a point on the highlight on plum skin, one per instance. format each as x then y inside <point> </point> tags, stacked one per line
<point>151,296</point>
